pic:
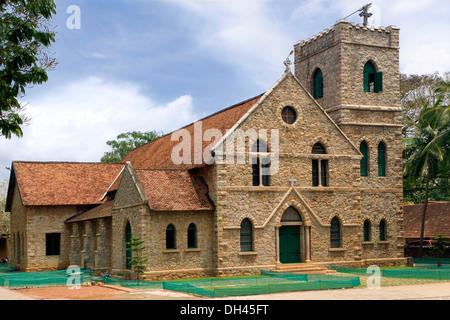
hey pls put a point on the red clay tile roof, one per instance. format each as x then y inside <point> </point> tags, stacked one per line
<point>157,154</point>
<point>174,190</point>
<point>63,183</point>
<point>437,219</point>
<point>102,211</point>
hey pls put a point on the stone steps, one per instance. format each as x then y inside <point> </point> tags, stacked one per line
<point>304,268</point>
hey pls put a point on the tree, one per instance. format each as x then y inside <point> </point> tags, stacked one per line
<point>126,142</point>
<point>24,42</point>
<point>415,90</point>
<point>4,216</point>
<point>426,153</point>
<point>138,262</point>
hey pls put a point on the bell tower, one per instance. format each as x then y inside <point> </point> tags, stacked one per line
<point>352,71</point>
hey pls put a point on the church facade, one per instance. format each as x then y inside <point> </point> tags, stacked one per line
<point>308,173</point>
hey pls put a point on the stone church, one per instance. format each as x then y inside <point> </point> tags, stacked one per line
<point>320,184</point>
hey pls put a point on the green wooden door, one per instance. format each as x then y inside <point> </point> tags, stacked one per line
<point>289,244</point>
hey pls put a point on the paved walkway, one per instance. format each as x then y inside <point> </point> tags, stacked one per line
<point>430,291</point>
<point>8,294</point>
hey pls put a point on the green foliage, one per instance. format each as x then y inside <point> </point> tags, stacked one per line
<point>24,39</point>
<point>138,261</point>
<point>426,138</point>
<point>4,216</point>
<point>126,142</point>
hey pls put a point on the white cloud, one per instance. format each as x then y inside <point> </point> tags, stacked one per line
<point>428,58</point>
<point>73,122</point>
<point>243,34</point>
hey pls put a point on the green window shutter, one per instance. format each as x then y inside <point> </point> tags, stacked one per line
<point>192,236</point>
<point>364,159</point>
<point>368,73</point>
<point>382,230</point>
<point>324,172</point>
<point>335,233</point>
<point>366,82</point>
<point>318,84</point>
<point>170,237</point>
<point>128,253</point>
<point>381,160</point>
<point>315,173</point>
<point>378,87</point>
<point>246,235</point>
<point>366,230</point>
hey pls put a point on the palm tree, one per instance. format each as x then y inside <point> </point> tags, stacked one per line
<point>426,153</point>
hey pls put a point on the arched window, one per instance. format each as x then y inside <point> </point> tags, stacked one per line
<point>318,84</point>
<point>366,230</point>
<point>381,159</point>
<point>335,233</point>
<point>319,167</point>
<point>246,235</point>
<point>382,230</point>
<point>170,237</point>
<point>192,236</point>
<point>128,253</point>
<point>373,80</point>
<point>260,164</point>
<point>364,164</point>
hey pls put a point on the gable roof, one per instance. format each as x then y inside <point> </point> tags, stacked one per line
<point>437,219</point>
<point>174,190</point>
<point>157,154</point>
<point>61,183</point>
<point>266,94</point>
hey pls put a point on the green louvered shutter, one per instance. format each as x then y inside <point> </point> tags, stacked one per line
<point>378,86</point>
<point>363,163</point>
<point>381,160</point>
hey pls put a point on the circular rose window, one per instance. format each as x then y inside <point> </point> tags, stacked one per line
<point>288,115</point>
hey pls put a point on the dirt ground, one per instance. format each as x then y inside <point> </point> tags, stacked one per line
<point>64,292</point>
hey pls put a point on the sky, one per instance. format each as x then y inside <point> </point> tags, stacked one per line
<point>142,65</point>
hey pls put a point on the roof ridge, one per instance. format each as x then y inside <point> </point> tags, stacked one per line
<point>66,162</point>
<point>206,117</point>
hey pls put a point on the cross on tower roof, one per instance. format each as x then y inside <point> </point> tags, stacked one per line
<point>365,13</point>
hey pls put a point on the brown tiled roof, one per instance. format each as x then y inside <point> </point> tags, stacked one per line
<point>157,154</point>
<point>174,190</point>
<point>102,211</point>
<point>437,219</point>
<point>63,183</point>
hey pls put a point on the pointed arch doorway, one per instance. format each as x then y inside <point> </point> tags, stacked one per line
<point>291,232</point>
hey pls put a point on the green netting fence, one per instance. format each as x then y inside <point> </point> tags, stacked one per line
<point>431,273</point>
<point>14,279</point>
<point>267,282</point>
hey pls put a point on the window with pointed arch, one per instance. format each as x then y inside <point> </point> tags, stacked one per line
<point>260,164</point>
<point>192,236</point>
<point>382,230</point>
<point>170,237</point>
<point>317,84</point>
<point>319,167</point>
<point>372,80</point>
<point>128,253</point>
<point>335,233</point>
<point>367,230</point>
<point>364,163</point>
<point>381,159</point>
<point>246,235</point>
